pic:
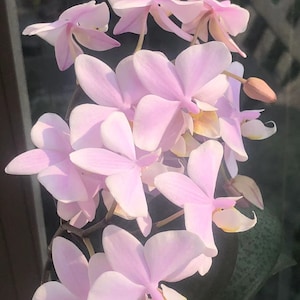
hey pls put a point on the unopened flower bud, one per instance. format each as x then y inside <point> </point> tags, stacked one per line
<point>258,89</point>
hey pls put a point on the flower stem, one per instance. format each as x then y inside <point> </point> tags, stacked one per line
<point>110,213</point>
<point>199,27</point>
<point>140,42</point>
<point>73,101</point>
<point>169,219</point>
<point>88,245</point>
<point>229,74</point>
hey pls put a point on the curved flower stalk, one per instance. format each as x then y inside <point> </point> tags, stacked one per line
<point>75,189</point>
<point>195,194</point>
<point>222,20</point>
<point>86,22</point>
<point>137,270</point>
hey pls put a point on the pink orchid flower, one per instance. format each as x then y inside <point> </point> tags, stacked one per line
<point>134,15</point>
<point>137,270</point>
<point>120,90</point>
<point>76,190</point>
<point>121,162</point>
<point>195,194</point>
<point>175,88</point>
<point>86,22</point>
<point>222,19</point>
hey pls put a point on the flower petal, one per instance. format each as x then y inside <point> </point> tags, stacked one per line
<point>127,188</point>
<point>66,49</point>
<point>114,285</point>
<point>204,264</point>
<point>117,135</point>
<point>66,211</point>
<point>204,164</point>
<point>33,161</point>
<point>51,132</point>
<point>125,254</point>
<point>90,72</point>
<point>71,266</point>
<point>85,121</point>
<point>162,19</point>
<point>230,161</point>
<point>79,220</point>
<point>94,39</point>
<point>132,20</point>
<point>256,129</point>
<point>199,64</point>
<point>179,188</point>
<point>167,253</point>
<point>153,116</point>
<point>47,31</point>
<point>198,219</point>
<point>100,161</point>
<point>63,181</point>
<point>145,224</point>
<point>170,294</point>
<point>158,74</point>
<point>131,86</point>
<point>53,290</point>
<point>98,264</point>
<point>90,15</point>
<point>231,220</point>
<point>231,134</point>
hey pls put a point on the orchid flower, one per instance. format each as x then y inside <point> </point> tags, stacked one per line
<point>159,120</point>
<point>223,19</point>
<point>120,162</point>
<point>75,189</point>
<point>195,194</point>
<point>120,90</point>
<point>137,270</point>
<point>134,15</point>
<point>86,22</point>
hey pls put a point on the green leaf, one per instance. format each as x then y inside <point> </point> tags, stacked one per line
<point>284,261</point>
<point>258,252</point>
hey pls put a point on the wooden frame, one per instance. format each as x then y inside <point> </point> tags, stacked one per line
<point>22,234</point>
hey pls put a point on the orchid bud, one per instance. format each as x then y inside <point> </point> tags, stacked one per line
<point>258,89</point>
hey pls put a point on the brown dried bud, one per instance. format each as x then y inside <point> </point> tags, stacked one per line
<point>258,89</point>
<point>248,188</point>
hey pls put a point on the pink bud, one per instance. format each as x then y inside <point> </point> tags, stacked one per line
<point>258,89</point>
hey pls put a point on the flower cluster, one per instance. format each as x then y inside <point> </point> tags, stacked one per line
<point>156,126</point>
